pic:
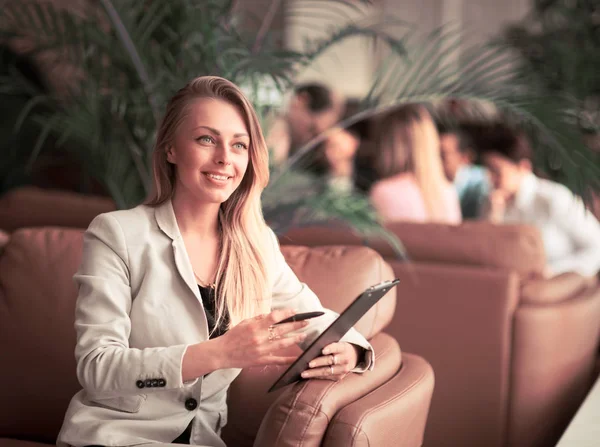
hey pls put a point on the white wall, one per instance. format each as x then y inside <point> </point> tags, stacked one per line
<point>349,67</point>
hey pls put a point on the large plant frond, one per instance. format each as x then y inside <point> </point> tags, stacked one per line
<point>302,199</point>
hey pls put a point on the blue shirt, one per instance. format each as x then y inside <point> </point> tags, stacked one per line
<point>472,185</point>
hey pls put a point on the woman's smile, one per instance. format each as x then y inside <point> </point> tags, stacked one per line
<point>217,178</point>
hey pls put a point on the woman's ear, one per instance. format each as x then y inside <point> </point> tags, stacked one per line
<point>170,155</point>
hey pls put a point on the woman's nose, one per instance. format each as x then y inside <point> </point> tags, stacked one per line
<point>223,156</point>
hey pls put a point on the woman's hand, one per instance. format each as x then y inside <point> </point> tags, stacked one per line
<point>256,341</point>
<point>338,360</point>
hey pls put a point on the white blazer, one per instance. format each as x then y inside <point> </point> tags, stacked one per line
<point>138,309</point>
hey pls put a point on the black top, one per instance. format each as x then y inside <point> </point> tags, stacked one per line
<point>208,299</point>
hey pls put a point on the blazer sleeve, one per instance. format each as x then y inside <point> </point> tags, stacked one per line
<point>289,292</point>
<point>106,366</point>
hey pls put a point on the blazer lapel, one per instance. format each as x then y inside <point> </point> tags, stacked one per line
<point>165,218</point>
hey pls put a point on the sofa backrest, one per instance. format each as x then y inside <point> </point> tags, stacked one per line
<point>517,248</point>
<point>338,274</point>
<point>37,299</point>
<point>36,207</point>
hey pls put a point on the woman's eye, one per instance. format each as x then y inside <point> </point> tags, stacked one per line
<point>205,139</point>
<point>240,145</point>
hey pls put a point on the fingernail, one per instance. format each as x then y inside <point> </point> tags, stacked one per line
<point>325,351</point>
<point>304,375</point>
<point>311,364</point>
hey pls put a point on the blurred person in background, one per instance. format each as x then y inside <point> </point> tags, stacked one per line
<point>335,158</point>
<point>412,185</point>
<point>471,181</point>
<point>570,233</point>
<point>312,109</point>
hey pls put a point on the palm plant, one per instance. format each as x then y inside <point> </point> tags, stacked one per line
<point>560,45</point>
<point>128,57</point>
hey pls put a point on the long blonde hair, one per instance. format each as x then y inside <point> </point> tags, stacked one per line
<point>241,282</point>
<point>408,142</point>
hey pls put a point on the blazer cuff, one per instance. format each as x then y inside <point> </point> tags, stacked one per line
<point>163,370</point>
<point>367,363</point>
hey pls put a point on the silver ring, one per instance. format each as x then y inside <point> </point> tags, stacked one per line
<point>331,369</point>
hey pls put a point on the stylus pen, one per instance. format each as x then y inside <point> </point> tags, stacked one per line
<point>300,317</point>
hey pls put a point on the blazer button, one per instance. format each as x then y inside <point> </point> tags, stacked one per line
<point>140,384</point>
<point>162,382</point>
<point>154,382</point>
<point>191,404</point>
<point>148,383</point>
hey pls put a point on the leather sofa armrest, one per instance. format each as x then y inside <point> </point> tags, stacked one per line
<point>393,414</point>
<point>556,289</point>
<point>553,355</point>
<point>301,415</point>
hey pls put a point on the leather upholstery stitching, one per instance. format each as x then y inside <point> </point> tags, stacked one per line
<point>387,401</point>
<point>316,408</point>
<point>287,417</point>
<point>357,432</point>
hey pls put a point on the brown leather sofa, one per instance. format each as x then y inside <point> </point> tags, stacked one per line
<point>385,407</point>
<point>30,206</point>
<point>513,352</point>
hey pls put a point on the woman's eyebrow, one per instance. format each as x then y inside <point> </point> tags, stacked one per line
<point>216,132</point>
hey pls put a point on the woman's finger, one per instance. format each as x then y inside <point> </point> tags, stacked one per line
<point>335,348</point>
<point>285,328</point>
<point>331,359</point>
<point>280,343</point>
<point>329,372</point>
<point>278,315</point>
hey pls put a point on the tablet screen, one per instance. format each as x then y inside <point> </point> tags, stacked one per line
<point>336,330</point>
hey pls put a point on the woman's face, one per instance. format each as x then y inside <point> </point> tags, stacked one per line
<point>210,151</point>
<point>340,147</point>
<point>505,174</point>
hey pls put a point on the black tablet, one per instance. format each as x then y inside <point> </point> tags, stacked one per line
<point>335,331</point>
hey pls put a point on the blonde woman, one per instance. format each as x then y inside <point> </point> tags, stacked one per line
<point>412,185</point>
<point>177,295</point>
